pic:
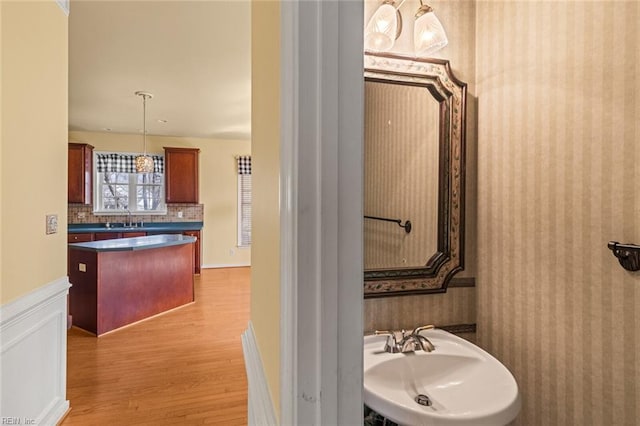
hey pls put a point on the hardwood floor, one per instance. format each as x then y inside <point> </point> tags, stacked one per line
<point>183,367</point>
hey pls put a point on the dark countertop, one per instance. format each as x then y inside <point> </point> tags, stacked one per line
<point>74,228</point>
<point>135,243</point>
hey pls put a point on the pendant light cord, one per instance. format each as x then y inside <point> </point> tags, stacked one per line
<point>144,124</point>
<point>145,96</point>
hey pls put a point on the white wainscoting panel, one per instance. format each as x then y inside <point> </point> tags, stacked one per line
<point>33,356</point>
<point>261,411</point>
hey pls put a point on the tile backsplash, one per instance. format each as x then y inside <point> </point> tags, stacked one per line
<point>80,213</point>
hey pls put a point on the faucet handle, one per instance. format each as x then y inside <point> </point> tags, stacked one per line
<point>417,330</point>
<point>385,333</point>
<point>392,343</point>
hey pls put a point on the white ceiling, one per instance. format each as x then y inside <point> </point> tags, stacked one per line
<point>195,57</point>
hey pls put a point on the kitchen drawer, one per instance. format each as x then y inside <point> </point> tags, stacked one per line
<point>106,236</point>
<point>133,234</point>
<point>79,238</point>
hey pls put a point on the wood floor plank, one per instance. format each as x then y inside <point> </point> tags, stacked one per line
<point>183,367</point>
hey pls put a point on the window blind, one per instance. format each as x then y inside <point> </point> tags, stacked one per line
<point>244,201</point>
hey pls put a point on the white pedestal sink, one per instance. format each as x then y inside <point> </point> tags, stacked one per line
<point>457,384</point>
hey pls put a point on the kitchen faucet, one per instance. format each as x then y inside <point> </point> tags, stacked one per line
<point>130,220</point>
<point>410,342</point>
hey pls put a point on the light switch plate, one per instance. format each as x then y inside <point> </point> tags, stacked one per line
<point>52,223</point>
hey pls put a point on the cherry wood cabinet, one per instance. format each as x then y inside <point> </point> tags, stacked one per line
<point>77,238</point>
<point>133,234</point>
<point>197,247</point>
<point>114,288</point>
<point>181,174</point>
<point>99,236</point>
<point>80,238</point>
<point>80,173</point>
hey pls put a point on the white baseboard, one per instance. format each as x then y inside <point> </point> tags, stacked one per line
<point>261,411</point>
<point>33,356</point>
<point>225,265</point>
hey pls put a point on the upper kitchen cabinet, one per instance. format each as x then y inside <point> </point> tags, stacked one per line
<point>181,174</point>
<point>80,169</point>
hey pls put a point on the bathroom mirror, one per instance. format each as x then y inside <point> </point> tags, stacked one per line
<point>415,112</point>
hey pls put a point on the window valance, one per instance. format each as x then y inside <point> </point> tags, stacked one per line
<point>125,163</point>
<point>244,165</point>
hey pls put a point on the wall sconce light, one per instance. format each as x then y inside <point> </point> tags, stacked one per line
<point>428,33</point>
<point>385,26</point>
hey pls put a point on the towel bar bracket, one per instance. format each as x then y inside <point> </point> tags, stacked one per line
<point>628,255</point>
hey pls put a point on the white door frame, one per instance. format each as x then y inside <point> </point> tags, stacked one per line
<point>322,131</point>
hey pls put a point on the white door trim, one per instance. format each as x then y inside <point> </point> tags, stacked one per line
<point>288,211</point>
<point>321,212</point>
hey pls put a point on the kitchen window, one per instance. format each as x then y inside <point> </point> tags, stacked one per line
<point>119,189</point>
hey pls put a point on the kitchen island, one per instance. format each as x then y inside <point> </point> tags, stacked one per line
<point>119,282</point>
<point>83,232</point>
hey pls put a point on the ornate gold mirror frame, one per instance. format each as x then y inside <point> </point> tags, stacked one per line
<point>436,76</point>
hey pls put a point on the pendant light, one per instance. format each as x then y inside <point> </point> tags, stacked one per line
<point>144,162</point>
<point>428,33</point>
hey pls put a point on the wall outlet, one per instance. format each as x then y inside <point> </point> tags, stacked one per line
<point>82,267</point>
<point>232,252</point>
<point>180,214</point>
<point>52,223</point>
<point>81,215</point>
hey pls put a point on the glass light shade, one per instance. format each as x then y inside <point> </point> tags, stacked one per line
<point>428,34</point>
<point>382,30</point>
<point>144,164</point>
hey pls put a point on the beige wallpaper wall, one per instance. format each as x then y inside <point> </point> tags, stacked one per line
<point>457,306</point>
<point>559,164</point>
<point>453,307</point>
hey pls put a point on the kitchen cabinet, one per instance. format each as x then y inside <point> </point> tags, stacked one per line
<point>133,234</point>
<point>197,247</point>
<point>80,173</point>
<point>181,175</point>
<point>99,236</point>
<point>105,295</point>
<point>80,237</point>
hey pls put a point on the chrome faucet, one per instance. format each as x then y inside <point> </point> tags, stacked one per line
<point>409,343</point>
<point>392,344</point>
<point>130,220</point>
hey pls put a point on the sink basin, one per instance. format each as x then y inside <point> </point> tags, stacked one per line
<point>457,384</point>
